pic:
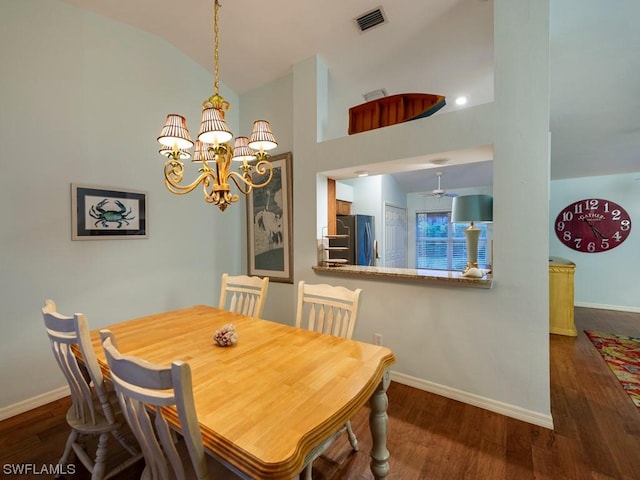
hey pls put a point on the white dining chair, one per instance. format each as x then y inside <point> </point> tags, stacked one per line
<point>243,294</point>
<point>144,390</point>
<point>331,310</point>
<point>327,309</point>
<point>94,412</point>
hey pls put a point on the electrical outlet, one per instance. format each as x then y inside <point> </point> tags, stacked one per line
<point>377,339</point>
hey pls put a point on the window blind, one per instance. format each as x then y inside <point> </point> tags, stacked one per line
<point>442,245</point>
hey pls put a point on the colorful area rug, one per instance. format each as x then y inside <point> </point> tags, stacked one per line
<point>622,354</point>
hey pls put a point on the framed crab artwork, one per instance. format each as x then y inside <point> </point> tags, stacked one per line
<point>99,213</point>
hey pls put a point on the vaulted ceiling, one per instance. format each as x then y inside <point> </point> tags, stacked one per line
<point>435,46</point>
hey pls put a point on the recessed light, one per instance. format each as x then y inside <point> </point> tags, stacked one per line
<point>362,173</point>
<point>462,100</point>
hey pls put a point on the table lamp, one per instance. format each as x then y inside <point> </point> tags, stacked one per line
<point>470,209</point>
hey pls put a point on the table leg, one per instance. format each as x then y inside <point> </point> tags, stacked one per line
<point>378,421</point>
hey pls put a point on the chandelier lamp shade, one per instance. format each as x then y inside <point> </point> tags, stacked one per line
<point>212,149</point>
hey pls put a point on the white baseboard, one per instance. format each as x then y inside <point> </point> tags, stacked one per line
<point>34,402</point>
<point>512,411</point>
<point>607,307</point>
<point>518,413</point>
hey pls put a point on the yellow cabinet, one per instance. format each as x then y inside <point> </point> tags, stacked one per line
<point>561,277</point>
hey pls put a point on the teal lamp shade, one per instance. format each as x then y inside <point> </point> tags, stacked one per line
<point>472,208</point>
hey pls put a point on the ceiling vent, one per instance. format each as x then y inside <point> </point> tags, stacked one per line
<point>371,19</point>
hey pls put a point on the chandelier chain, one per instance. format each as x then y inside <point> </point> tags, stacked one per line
<point>215,47</point>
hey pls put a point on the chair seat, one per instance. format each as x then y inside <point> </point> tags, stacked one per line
<point>101,424</point>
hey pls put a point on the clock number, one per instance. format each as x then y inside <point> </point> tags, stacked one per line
<point>606,207</point>
<point>615,214</point>
<point>577,208</point>
<point>604,244</point>
<point>578,242</point>
<point>591,204</point>
<point>625,225</point>
<point>617,237</point>
<point>567,216</point>
<point>591,247</point>
<point>560,226</point>
<point>566,236</point>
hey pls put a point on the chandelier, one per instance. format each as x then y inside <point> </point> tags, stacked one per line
<point>212,152</point>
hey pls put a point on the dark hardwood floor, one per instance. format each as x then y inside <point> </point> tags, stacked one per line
<point>596,427</point>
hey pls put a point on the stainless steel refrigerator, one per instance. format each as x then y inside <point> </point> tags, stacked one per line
<point>361,240</point>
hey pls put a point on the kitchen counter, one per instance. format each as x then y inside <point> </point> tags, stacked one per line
<point>434,277</point>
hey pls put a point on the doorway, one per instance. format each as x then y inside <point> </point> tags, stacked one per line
<point>395,236</point>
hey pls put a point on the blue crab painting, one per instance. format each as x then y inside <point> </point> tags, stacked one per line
<point>105,217</point>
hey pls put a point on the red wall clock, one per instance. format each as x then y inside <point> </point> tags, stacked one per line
<point>592,225</point>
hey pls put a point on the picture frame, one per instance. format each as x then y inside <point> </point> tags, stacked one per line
<point>100,213</point>
<point>270,223</point>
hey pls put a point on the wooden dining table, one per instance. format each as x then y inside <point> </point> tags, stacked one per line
<point>265,403</point>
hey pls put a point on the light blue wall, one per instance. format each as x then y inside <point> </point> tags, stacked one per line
<point>392,193</point>
<point>82,75</point>
<point>274,102</point>
<point>83,100</point>
<point>482,344</point>
<point>488,347</point>
<point>607,279</point>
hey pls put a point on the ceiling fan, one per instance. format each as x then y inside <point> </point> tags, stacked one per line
<point>439,192</point>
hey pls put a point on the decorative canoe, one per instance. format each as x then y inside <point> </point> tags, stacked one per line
<point>386,111</point>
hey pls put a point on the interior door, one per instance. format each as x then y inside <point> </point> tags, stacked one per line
<point>395,236</point>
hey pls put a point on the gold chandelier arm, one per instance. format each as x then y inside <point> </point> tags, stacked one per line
<point>263,167</point>
<point>213,190</point>
<point>241,181</point>
<point>173,174</point>
<point>215,186</point>
<point>210,196</point>
<point>219,195</point>
<point>228,198</point>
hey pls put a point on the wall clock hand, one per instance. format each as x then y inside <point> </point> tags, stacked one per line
<point>598,232</point>
<point>593,229</point>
